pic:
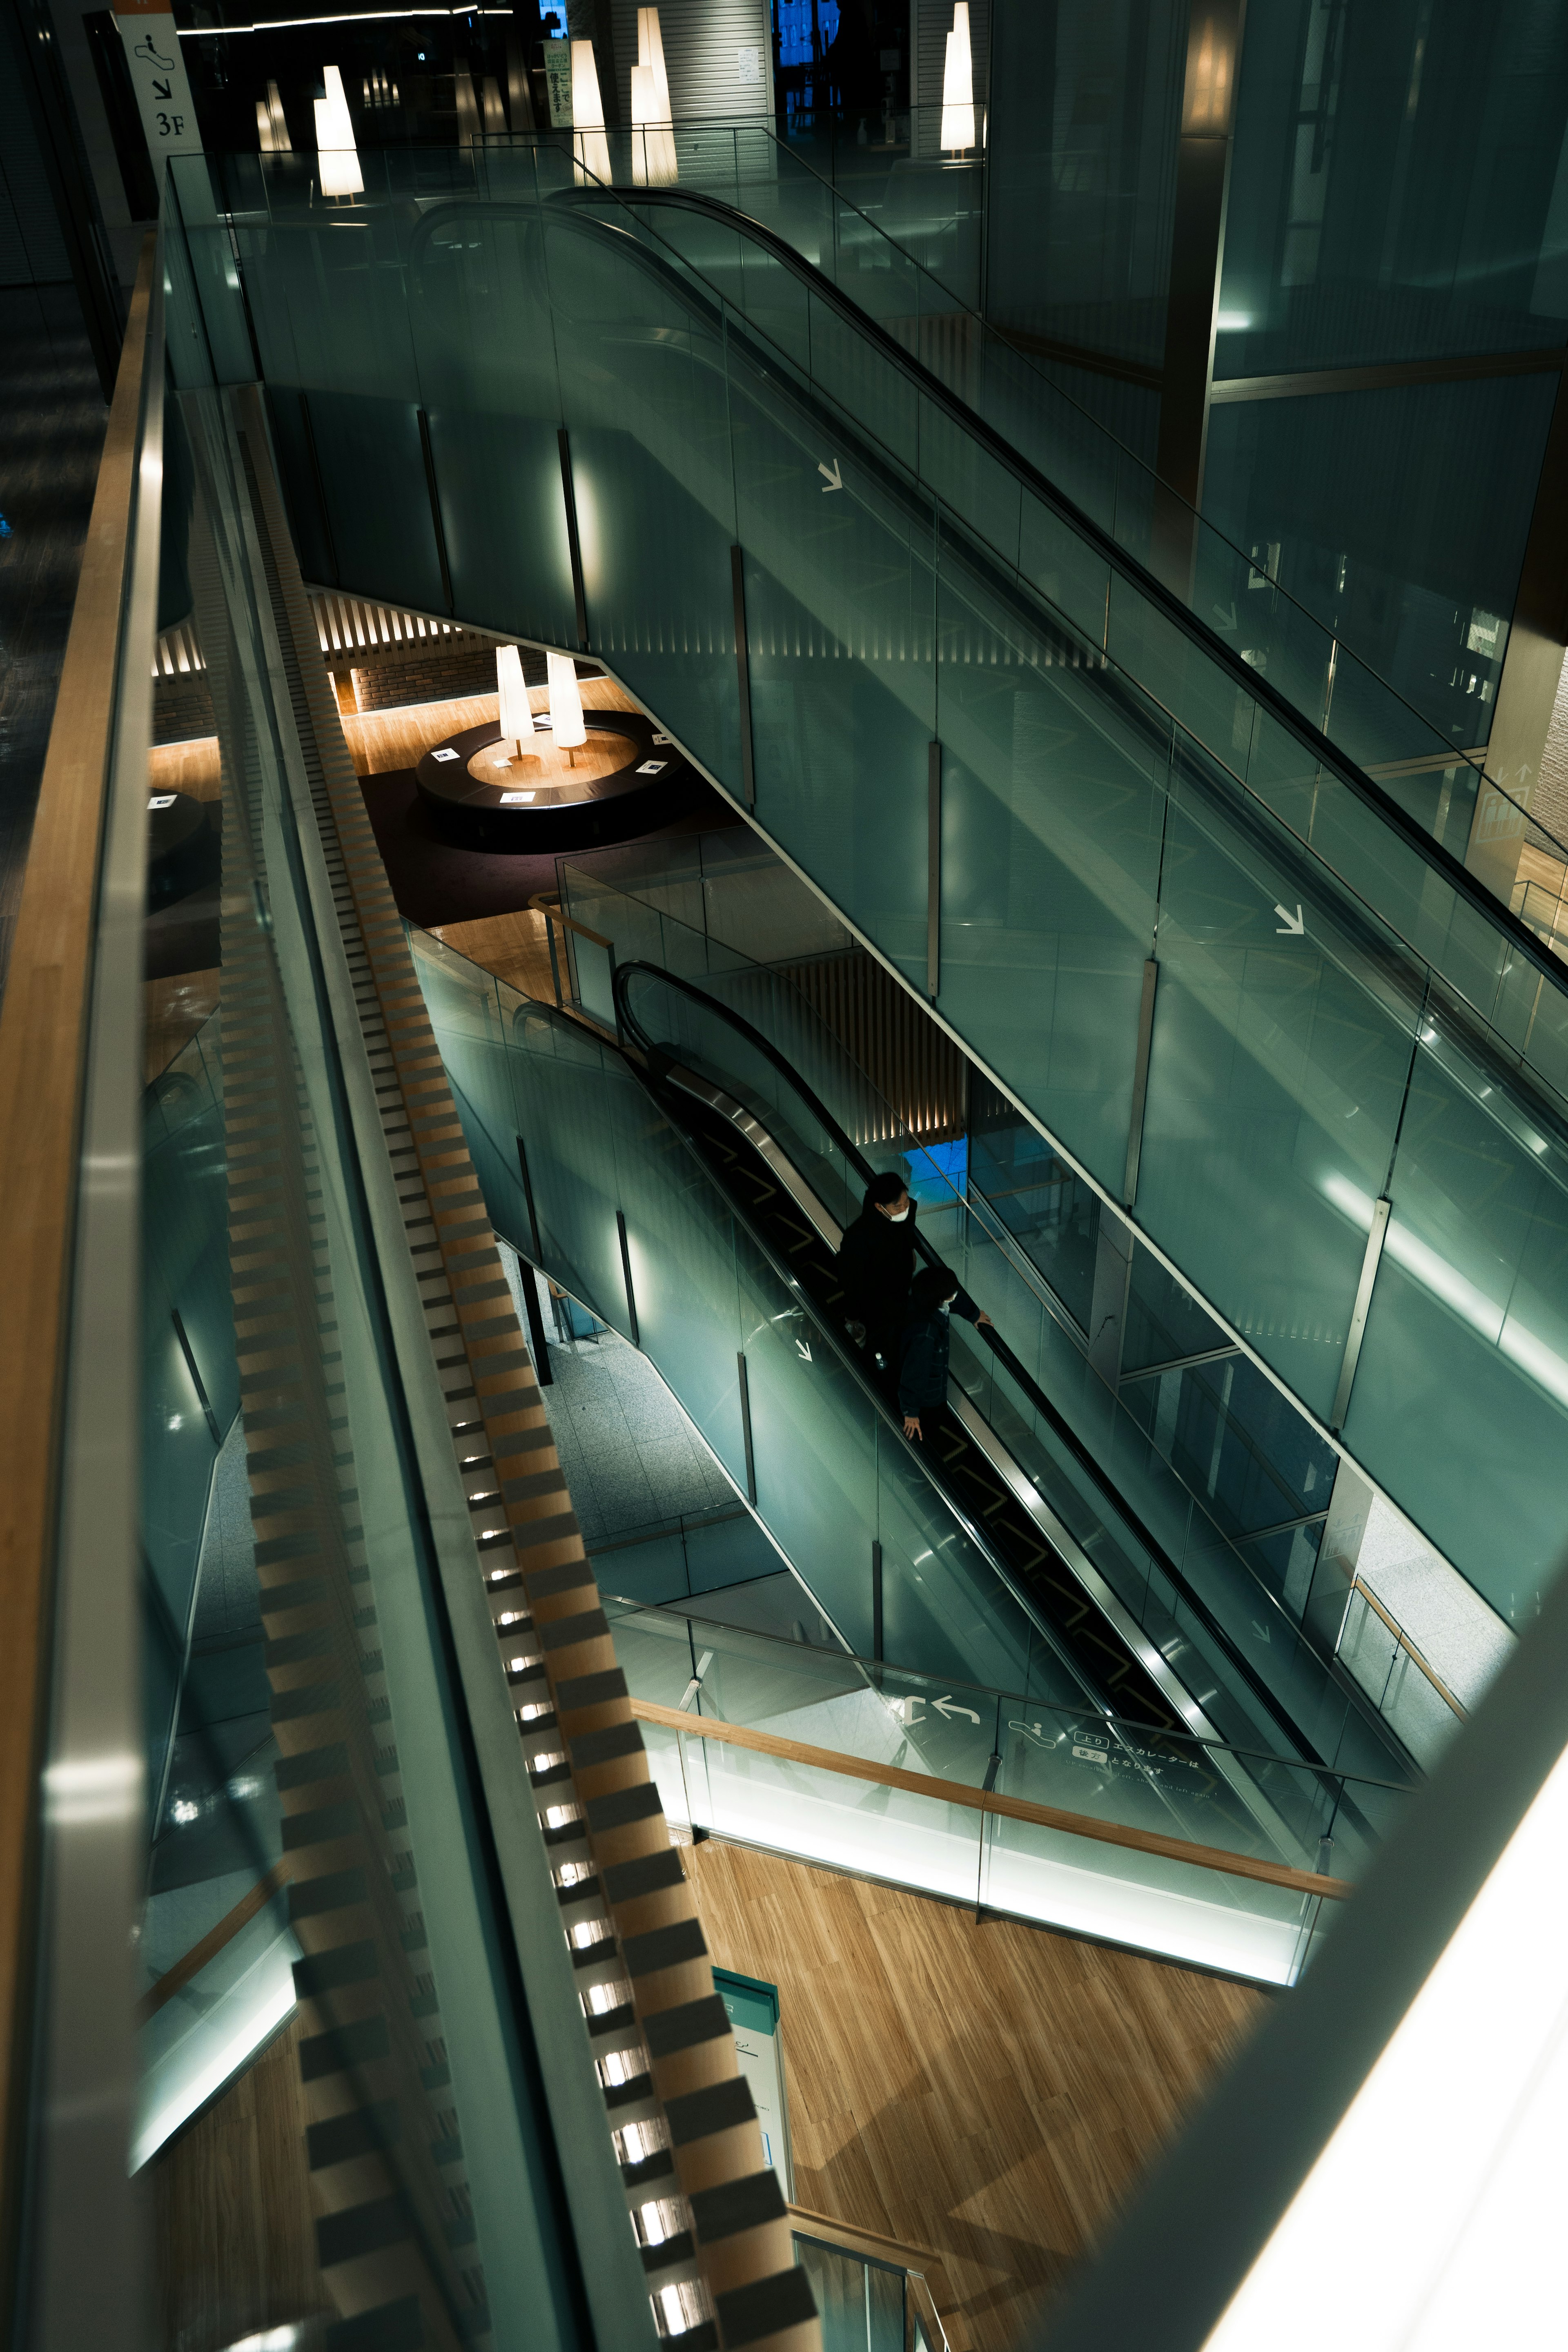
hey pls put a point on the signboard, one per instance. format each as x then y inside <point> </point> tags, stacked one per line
<point>158,76</point>
<point>558,83</point>
<point>752,2010</point>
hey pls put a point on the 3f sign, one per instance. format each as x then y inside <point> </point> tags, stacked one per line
<point>158,76</point>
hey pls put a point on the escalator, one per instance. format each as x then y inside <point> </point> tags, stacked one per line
<point>1243,991</point>
<point>697,1210</point>
<point>1003,1453</point>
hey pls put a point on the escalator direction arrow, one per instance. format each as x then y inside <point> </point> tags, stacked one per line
<point>1290,925</point>
<point>834,479</point>
<point>803,1351</point>
<point>945,1707</point>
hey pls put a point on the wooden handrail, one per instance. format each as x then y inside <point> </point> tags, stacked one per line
<point>922,2265</point>
<point>43,1048</point>
<point>990,1801</point>
<point>193,1963</point>
<point>1406,1643</point>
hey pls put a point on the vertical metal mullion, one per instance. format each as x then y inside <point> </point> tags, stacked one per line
<point>573,544</point>
<point>746,1428</point>
<point>626,1277</point>
<point>1357,1332</point>
<point>431,493</point>
<point>877,1600</point>
<point>934,869</point>
<point>1140,1082</point>
<point>743,675</point>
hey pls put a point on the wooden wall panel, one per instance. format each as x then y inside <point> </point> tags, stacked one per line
<point>233,2238</point>
<point>992,2092</point>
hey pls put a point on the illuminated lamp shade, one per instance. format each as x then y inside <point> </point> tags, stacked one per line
<point>589,143</point>
<point>653,148</point>
<point>263,127</point>
<point>337,158</point>
<point>565,705</point>
<point>281,142</point>
<point>516,711</point>
<point>957,83</point>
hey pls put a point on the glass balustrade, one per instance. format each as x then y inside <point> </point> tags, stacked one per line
<point>819,1711</point>
<point>1204,1582</point>
<point>1336,1021</point>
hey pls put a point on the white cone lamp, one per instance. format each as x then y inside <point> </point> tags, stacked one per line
<point>516,710</point>
<point>337,158</point>
<point>652,158</point>
<point>957,83</point>
<point>589,144</point>
<point>565,705</point>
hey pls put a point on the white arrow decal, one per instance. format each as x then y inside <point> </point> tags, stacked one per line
<point>835,479</point>
<point>1289,925</point>
<point>1225,615</point>
<point>803,1351</point>
<point>1262,1630</point>
<point>944,1706</point>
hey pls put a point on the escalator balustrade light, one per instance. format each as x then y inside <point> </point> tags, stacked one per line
<point>662,2220</point>
<point>532,1714</point>
<point>620,2066</point>
<point>515,1617</point>
<point>680,2308</point>
<point>549,1760</point>
<point>589,1932</point>
<point>599,2000</point>
<point>562,1816</point>
<point>521,1662</point>
<point>635,2143</point>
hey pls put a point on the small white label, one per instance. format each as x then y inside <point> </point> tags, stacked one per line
<point>163,799</point>
<point>663,738</point>
<point>653,767</point>
<point>517,796</point>
<point>748,65</point>
<point>443,755</point>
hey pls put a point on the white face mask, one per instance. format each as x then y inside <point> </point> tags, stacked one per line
<point>897,1216</point>
<point>946,1306</point>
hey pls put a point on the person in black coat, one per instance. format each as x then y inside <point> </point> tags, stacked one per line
<point>923,1364</point>
<point>876,1265</point>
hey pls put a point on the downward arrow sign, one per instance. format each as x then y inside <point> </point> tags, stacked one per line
<point>163,90</point>
<point>834,480</point>
<point>803,1351</point>
<point>1289,924</point>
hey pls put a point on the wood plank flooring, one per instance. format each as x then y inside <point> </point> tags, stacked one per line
<point>992,2090</point>
<point>512,946</point>
<point>381,741</point>
<point>234,2236</point>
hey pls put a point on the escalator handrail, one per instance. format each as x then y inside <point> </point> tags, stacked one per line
<point>1118,1510</point>
<point>1246,679</point>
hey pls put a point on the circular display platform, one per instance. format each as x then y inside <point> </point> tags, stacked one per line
<point>627,779</point>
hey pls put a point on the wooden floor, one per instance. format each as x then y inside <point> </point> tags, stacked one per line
<point>992,2092</point>
<point>513,946</point>
<point>234,2236</point>
<point>381,741</point>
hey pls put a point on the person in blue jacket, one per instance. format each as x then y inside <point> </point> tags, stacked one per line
<point>922,1371</point>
